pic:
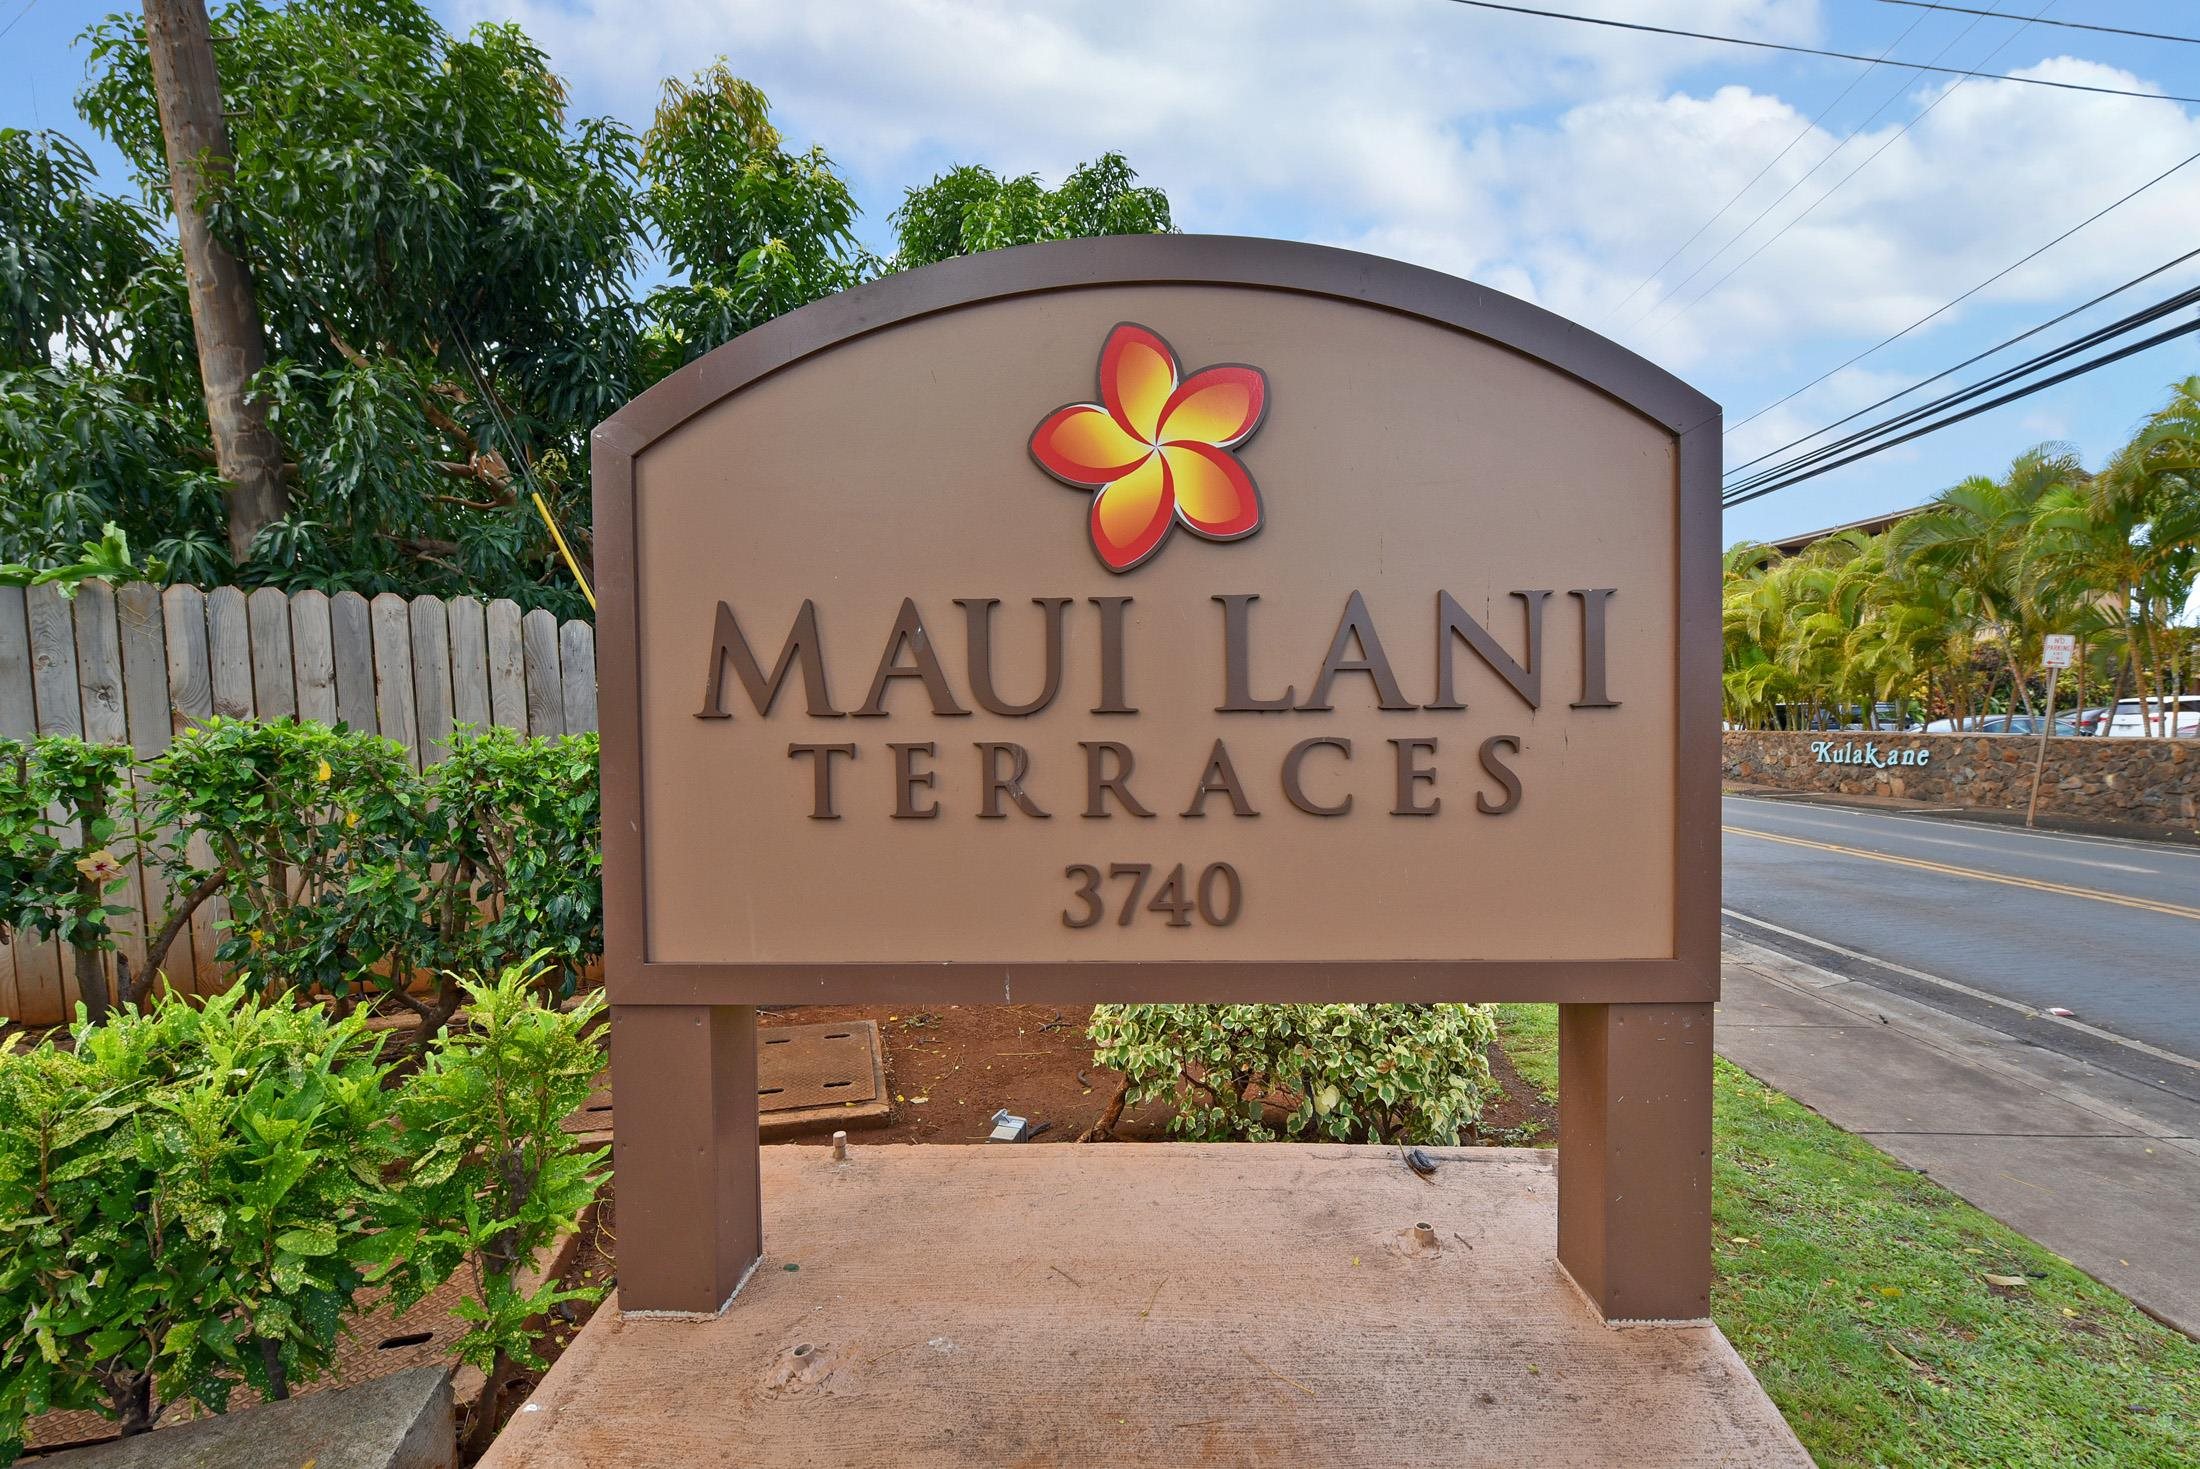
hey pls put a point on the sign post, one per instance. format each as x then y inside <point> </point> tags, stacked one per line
<point>1166,619</point>
<point>2056,651</point>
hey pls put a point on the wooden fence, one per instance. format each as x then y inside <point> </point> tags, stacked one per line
<point>133,665</point>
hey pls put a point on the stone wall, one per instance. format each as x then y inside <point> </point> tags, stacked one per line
<point>2150,782</point>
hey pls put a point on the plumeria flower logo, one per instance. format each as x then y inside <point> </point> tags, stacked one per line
<point>1157,448</point>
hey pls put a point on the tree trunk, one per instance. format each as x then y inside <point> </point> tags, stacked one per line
<point>271,1358</point>
<point>91,981</point>
<point>1104,1129</point>
<point>156,953</point>
<point>2077,667</point>
<point>224,316</point>
<point>482,1431</point>
<point>134,1405</point>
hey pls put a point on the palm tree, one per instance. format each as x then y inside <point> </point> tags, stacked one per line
<point>1973,535</point>
<point>2118,554</point>
<point>1976,580</point>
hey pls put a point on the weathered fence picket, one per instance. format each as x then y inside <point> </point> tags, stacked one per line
<point>135,664</point>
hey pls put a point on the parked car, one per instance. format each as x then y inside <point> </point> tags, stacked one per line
<point>1991,724</point>
<point>2080,722</point>
<point>2176,717</point>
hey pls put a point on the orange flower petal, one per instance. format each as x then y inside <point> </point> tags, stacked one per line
<point>1214,494</point>
<point>1130,516</point>
<point>1217,405</point>
<point>1137,375</point>
<point>1083,445</point>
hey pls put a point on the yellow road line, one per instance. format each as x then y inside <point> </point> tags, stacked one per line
<point>2036,884</point>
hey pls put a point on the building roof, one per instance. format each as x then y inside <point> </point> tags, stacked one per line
<point>1871,525</point>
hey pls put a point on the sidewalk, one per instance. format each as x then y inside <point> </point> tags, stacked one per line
<point>2099,1168</point>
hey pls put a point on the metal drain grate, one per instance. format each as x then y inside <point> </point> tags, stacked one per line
<point>819,1065</point>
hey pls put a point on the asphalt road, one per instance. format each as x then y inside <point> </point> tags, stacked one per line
<point>1993,923</point>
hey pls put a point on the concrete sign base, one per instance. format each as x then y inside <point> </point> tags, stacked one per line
<point>1151,1304</point>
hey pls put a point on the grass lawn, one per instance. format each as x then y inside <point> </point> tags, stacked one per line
<point>1857,1291</point>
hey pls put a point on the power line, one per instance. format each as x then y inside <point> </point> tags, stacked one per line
<point>2074,25</point>
<point>28,7</point>
<point>1632,25</point>
<point>1838,184</point>
<point>2080,370</point>
<point>1968,361</point>
<point>1807,129</point>
<point>2098,336</point>
<point>1967,295</point>
<point>1742,233</point>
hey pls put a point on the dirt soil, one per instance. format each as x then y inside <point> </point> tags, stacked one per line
<point>949,1069</point>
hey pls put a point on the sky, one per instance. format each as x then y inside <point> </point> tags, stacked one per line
<point>1748,219</point>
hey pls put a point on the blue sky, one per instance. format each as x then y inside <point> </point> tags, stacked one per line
<point>1559,162</point>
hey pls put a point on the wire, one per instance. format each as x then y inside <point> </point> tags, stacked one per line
<point>2024,392</point>
<point>1807,129</point>
<point>2098,337</point>
<point>1967,295</point>
<point>519,455</point>
<point>2074,25</point>
<point>1632,25</point>
<point>28,7</point>
<point>1739,235</point>
<point>2094,338</point>
<point>1968,361</point>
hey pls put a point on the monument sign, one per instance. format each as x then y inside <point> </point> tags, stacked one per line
<point>1163,619</point>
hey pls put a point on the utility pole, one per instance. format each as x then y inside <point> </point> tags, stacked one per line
<point>225,318</point>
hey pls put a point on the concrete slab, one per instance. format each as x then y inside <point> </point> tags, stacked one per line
<point>1765,987</point>
<point>399,1422</point>
<point>2097,1202</point>
<point>1172,1304</point>
<point>1747,1003</point>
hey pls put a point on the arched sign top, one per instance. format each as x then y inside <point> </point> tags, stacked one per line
<point>1280,265</point>
<point>1161,618</point>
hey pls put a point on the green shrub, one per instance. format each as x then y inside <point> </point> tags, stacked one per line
<point>1351,1073</point>
<point>491,1177</point>
<point>318,841</point>
<point>193,1196</point>
<point>520,820</point>
<point>342,866</point>
<point>186,1201</point>
<point>58,879</point>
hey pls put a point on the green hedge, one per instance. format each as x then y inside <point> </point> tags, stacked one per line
<point>341,865</point>
<point>1352,1073</point>
<point>192,1195</point>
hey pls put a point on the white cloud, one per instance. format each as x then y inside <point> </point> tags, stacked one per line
<point>1358,110</point>
<point>1559,162</point>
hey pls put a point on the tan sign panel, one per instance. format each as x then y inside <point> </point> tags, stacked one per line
<point>1161,618</point>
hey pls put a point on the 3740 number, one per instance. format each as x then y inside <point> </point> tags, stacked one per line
<point>1216,897</point>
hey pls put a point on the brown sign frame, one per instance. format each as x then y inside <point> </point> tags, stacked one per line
<point>1690,975</point>
<point>1634,1195</point>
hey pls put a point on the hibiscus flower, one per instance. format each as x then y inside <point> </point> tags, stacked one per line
<point>1157,448</point>
<point>102,866</point>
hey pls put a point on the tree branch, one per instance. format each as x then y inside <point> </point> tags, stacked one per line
<point>157,950</point>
